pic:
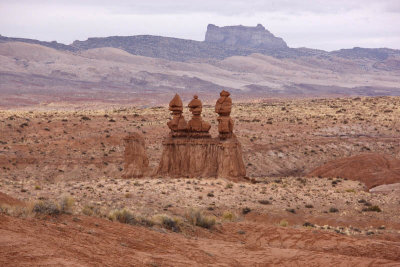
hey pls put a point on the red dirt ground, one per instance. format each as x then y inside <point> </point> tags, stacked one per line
<point>88,241</point>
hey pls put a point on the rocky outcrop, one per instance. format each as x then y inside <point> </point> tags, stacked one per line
<point>136,161</point>
<point>196,154</point>
<point>242,36</point>
<point>372,169</point>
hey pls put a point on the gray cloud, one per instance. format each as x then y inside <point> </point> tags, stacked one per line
<point>312,23</point>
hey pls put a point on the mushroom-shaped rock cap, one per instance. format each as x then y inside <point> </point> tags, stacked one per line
<point>224,93</point>
<point>195,102</point>
<point>176,101</point>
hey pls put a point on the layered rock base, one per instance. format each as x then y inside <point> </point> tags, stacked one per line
<point>136,161</point>
<point>202,157</point>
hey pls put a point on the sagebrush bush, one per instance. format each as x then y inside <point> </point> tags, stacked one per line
<point>46,207</point>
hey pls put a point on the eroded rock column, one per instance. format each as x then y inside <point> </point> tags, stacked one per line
<point>136,161</point>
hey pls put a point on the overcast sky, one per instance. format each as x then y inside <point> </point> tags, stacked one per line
<point>323,24</point>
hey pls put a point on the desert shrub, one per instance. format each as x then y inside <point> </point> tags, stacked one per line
<point>372,208</point>
<point>228,216</point>
<point>333,210</point>
<point>167,222</point>
<point>246,210</point>
<point>66,204</point>
<point>229,186</point>
<point>283,223</point>
<point>308,224</point>
<point>122,216</point>
<point>90,210</point>
<point>18,211</point>
<point>46,207</point>
<point>291,210</point>
<point>197,218</point>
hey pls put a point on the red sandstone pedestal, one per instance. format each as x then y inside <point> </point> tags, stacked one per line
<point>202,157</point>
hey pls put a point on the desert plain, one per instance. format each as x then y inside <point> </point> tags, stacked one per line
<point>63,201</point>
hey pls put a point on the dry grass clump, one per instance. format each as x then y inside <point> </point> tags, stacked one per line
<point>16,211</point>
<point>64,206</point>
<point>228,216</point>
<point>198,218</point>
<point>122,216</point>
<point>283,223</point>
<point>171,223</point>
<point>90,210</point>
<point>127,217</point>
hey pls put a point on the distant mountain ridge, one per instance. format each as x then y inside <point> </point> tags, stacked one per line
<point>220,43</point>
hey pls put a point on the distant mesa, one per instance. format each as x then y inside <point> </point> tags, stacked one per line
<point>243,36</point>
<point>370,168</point>
<point>219,43</point>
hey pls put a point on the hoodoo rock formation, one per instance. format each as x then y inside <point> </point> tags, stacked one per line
<point>136,161</point>
<point>223,107</point>
<point>178,125</point>
<point>197,154</point>
<point>196,126</point>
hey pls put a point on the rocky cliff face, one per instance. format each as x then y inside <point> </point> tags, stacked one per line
<point>242,36</point>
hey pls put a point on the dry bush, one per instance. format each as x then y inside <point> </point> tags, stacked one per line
<point>90,210</point>
<point>46,208</point>
<point>197,218</point>
<point>228,216</point>
<point>283,223</point>
<point>66,204</point>
<point>122,216</point>
<point>171,223</point>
